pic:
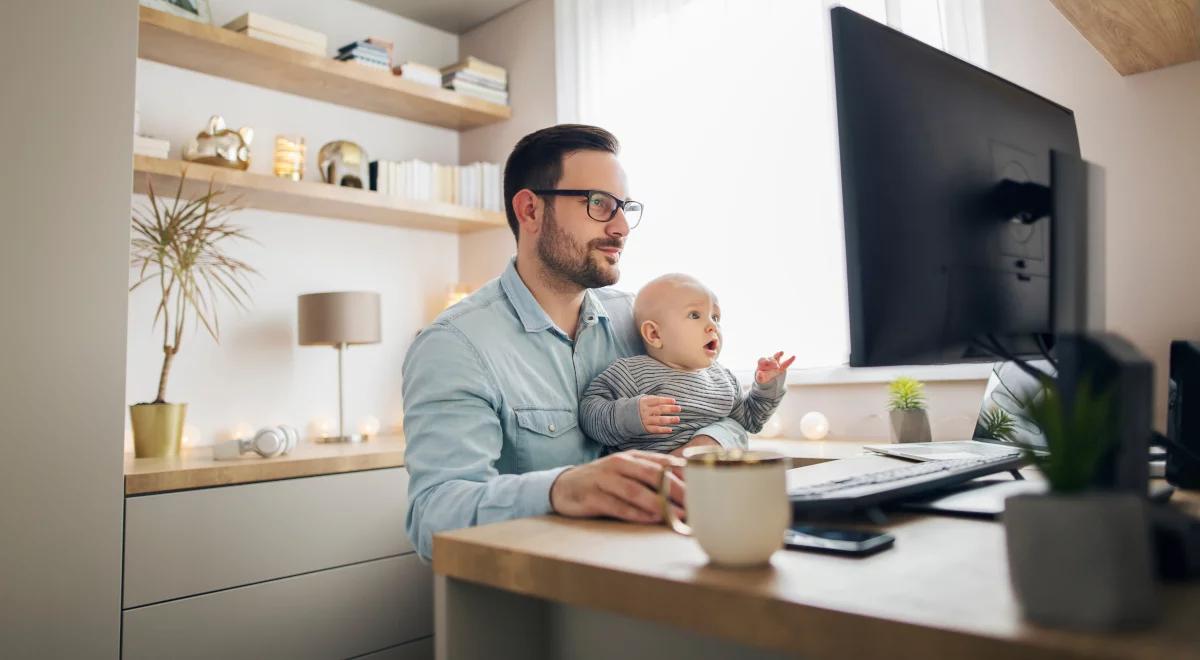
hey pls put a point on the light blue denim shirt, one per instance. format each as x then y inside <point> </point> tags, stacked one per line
<point>491,399</point>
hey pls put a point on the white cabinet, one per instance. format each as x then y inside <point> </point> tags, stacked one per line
<point>315,567</point>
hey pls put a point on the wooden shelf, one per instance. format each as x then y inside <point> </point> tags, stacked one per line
<point>225,53</point>
<point>1137,35</point>
<point>270,193</point>
<point>196,468</point>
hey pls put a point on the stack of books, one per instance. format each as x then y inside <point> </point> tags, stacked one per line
<point>278,32</point>
<point>365,53</point>
<point>478,185</point>
<point>148,146</point>
<point>421,73</point>
<point>474,77</point>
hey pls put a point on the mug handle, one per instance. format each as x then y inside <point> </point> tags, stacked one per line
<point>664,500</point>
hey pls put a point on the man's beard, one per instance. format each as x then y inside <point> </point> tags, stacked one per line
<point>565,259</point>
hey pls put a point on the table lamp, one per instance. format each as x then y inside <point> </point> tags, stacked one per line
<point>339,319</point>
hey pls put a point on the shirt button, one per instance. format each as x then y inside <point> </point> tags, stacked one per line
<point>552,428</point>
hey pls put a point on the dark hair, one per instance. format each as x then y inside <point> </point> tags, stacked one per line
<point>536,161</point>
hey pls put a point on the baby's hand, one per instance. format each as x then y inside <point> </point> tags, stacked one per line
<point>771,368</point>
<point>656,413</point>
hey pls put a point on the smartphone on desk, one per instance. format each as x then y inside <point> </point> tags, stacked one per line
<point>855,542</point>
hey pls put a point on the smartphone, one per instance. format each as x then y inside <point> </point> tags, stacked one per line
<point>854,542</point>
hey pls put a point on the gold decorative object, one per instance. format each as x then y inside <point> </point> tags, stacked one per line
<point>343,163</point>
<point>218,145</point>
<point>179,250</point>
<point>157,428</point>
<point>289,157</point>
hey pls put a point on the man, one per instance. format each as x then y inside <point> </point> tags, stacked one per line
<point>491,388</point>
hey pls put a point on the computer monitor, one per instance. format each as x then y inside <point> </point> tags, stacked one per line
<point>946,187</point>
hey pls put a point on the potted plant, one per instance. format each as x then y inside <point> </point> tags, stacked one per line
<point>177,248</point>
<point>906,406</point>
<point>997,424</point>
<point>1078,556</point>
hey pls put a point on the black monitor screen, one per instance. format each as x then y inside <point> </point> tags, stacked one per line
<point>932,262</point>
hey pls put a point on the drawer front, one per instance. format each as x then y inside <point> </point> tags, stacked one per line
<point>182,544</point>
<point>337,613</point>
<point>421,649</point>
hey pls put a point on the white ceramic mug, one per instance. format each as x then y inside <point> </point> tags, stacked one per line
<point>737,504</point>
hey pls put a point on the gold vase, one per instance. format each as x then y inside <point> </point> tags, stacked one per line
<point>157,428</point>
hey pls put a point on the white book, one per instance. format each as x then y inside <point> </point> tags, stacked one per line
<point>274,25</point>
<point>281,40</point>
<point>153,147</point>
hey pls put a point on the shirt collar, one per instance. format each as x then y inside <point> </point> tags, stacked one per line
<point>532,316</point>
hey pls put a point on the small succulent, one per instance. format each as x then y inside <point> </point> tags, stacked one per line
<point>998,425</point>
<point>906,393</point>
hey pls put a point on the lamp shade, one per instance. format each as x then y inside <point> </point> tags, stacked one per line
<point>338,317</point>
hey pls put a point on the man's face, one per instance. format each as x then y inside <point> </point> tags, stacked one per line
<point>571,244</point>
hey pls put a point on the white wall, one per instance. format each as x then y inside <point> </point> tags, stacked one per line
<point>1145,131</point>
<point>258,375</point>
<point>67,110</point>
<point>522,40</point>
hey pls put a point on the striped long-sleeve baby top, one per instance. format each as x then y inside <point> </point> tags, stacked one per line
<point>609,412</point>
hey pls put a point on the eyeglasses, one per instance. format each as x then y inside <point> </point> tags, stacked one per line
<point>602,206</point>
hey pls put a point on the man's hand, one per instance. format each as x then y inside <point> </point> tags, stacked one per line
<point>622,486</point>
<point>657,412</point>
<point>771,368</point>
<point>696,441</point>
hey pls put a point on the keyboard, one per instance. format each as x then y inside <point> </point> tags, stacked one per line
<point>875,488</point>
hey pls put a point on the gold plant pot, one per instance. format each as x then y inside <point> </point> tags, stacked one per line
<point>157,428</point>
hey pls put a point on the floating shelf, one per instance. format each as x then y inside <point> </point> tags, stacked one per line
<point>225,53</point>
<point>1137,35</point>
<point>270,193</point>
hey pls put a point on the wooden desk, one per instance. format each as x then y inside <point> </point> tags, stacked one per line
<point>552,587</point>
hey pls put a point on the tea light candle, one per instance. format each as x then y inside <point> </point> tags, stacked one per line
<point>369,426</point>
<point>814,426</point>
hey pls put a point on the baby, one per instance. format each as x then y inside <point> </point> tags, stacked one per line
<point>658,401</point>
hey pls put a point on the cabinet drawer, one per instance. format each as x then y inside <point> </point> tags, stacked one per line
<point>421,649</point>
<point>182,544</point>
<point>337,613</point>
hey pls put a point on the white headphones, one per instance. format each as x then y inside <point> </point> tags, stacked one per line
<point>268,443</point>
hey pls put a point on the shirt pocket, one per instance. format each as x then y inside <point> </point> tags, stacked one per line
<point>547,438</point>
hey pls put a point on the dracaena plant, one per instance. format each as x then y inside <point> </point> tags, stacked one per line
<point>906,394</point>
<point>178,248</point>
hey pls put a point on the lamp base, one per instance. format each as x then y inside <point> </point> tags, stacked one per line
<point>355,438</point>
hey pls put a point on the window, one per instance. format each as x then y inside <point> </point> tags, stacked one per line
<point>726,117</point>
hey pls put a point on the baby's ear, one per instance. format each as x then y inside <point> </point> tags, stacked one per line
<point>650,336</point>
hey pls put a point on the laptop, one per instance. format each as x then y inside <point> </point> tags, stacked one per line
<point>1009,389</point>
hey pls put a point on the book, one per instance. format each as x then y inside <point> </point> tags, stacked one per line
<point>148,146</point>
<point>476,79</point>
<point>478,66</point>
<point>369,64</point>
<point>357,55</point>
<point>364,47</point>
<point>280,40</point>
<point>276,26</point>
<point>478,92</point>
<point>386,45</point>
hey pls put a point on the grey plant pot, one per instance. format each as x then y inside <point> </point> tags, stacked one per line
<point>910,426</point>
<point>1082,561</point>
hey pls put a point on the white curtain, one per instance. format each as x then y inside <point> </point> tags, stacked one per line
<point>726,117</point>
